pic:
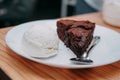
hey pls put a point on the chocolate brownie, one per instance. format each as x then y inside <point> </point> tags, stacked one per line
<point>77,35</point>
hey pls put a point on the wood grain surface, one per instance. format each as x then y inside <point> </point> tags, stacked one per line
<point>19,68</point>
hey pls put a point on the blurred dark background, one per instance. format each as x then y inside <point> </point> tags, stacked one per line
<point>14,12</point>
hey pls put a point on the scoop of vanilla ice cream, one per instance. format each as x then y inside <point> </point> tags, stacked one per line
<point>40,41</point>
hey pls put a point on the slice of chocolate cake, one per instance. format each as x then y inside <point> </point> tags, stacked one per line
<point>77,35</point>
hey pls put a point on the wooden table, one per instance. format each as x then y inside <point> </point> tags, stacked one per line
<point>19,68</point>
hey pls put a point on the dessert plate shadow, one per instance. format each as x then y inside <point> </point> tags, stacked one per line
<point>106,52</point>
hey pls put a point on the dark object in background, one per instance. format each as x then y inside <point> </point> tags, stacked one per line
<point>82,7</point>
<point>71,10</point>
<point>20,11</point>
<point>15,11</point>
<point>47,9</point>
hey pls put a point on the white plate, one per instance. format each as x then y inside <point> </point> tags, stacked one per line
<point>106,52</point>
